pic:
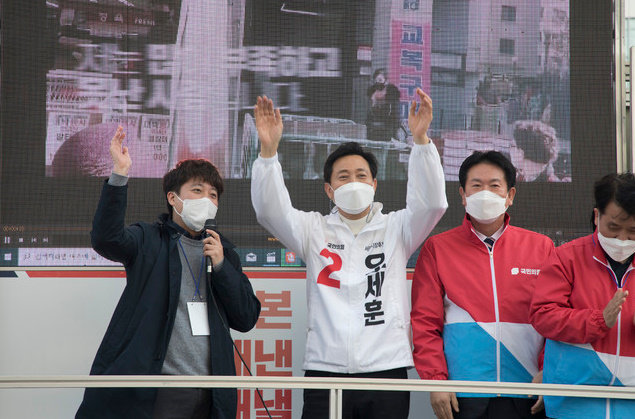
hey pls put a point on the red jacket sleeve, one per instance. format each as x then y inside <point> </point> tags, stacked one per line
<point>551,312</point>
<point>427,317</point>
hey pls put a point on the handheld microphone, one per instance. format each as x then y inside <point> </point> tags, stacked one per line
<point>210,224</point>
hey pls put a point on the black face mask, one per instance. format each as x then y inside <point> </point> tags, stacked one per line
<point>379,86</point>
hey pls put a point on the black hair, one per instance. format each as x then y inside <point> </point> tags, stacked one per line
<point>490,157</point>
<point>378,72</point>
<point>537,140</point>
<point>347,149</point>
<point>619,188</point>
<point>186,170</point>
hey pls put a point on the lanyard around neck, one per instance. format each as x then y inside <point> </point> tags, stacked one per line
<point>200,272</point>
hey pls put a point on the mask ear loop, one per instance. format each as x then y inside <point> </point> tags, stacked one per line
<point>174,207</point>
<point>332,207</point>
<point>368,216</point>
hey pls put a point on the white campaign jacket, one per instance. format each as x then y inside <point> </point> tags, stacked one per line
<point>358,304</point>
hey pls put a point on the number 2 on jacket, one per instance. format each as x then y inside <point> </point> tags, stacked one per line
<point>324,276</point>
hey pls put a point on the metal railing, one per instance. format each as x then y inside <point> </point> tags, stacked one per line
<point>335,385</point>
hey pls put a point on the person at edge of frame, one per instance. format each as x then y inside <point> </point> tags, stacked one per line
<point>172,318</point>
<point>584,307</point>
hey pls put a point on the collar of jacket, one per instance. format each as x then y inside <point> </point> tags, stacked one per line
<point>334,218</point>
<point>599,255</point>
<point>598,252</point>
<point>468,229</point>
<point>176,230</point>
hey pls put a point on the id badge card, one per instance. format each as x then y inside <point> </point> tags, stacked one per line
<point>197,310</point>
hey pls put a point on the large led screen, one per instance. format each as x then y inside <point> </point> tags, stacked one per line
<point>182,76</point>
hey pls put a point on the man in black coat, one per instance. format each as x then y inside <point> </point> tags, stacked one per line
<point>170,319</point>
<point>383,119</point>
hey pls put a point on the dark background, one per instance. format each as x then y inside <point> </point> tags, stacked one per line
<point>62,208</point>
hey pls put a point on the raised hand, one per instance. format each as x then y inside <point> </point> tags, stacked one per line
<point>119,153</point>
<point>419,121</point>
<point>269,126</point>
<point>613,308</point>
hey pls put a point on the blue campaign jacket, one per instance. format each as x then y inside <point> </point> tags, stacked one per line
<point>137,337</point>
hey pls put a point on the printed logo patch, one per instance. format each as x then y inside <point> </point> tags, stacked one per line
<point>525,271</point>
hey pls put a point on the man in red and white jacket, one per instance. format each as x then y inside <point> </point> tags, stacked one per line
<point>583,307</point>
<point>470,298</point>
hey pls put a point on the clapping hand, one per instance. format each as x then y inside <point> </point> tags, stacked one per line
<point>614,307</point>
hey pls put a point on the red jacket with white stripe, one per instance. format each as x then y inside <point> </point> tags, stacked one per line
<point>567,308</point>
<point>470,305</point>
<point>573,291</point>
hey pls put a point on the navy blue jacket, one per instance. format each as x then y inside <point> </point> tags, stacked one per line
<point>137,337</point>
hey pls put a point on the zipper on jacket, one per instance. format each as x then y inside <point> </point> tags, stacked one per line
<point>616,365</point>
<point>496,313</point>
<point>352,334</point>
<point>620,285</point>
<point>617,352</point>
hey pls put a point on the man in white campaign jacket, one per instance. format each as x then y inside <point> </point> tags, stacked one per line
<point>358,305</point>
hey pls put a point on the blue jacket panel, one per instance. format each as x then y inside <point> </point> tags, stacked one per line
<point>462,340</point>
<point>562,366</point>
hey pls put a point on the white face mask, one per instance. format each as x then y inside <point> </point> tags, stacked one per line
<point>485,206</point>
<point>354,197</point>
<point>196,212</point>
<point>618,250</point>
